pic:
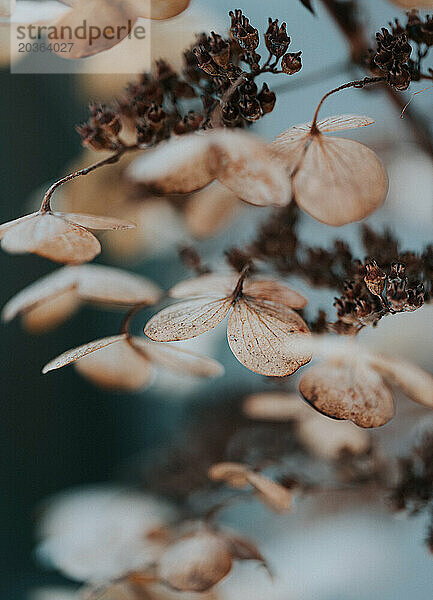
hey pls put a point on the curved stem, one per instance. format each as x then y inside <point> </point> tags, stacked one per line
<point>124,327</point>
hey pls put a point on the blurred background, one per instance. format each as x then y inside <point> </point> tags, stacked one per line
<point>59,431</point>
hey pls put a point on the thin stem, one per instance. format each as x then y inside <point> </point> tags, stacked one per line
<point>114,158</point>
<point>124,327</point>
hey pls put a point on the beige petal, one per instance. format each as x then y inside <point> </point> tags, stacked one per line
<point>195,563</point>
<point>414,3</point>
<point>108,285</point>
<point>242,548</point>
<point>51,237</point>
<point>211,210</point>
<point>342,122</point>
<point>97,13</point>
<point>5,227</point>
<point>116,367</point>
<point>234,474</point>
<point>349,392</point>
<point>275,496</point>
<point>178,166</point>
<point>76,353</point>
<point>212,284</point>
<point>276,406</point>
<point>52,312</point>
<point>273,291</point>
<point>159,9</point>
<point>96,222</point>
<point>416,383</point>
<point>46,288</point>
<point>339,181</point>
<point>186,320</point>
<point>249,168</point>
<point>264,338</point>
<point>175,359</point>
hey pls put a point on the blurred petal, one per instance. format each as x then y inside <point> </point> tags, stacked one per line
<point>342,122</point>
<point>5,227</point>
<point>211,284</point>
<point>234,474</point>
<point>186,320</point>
<point>211,210</point>
<point>52,312</point>
<point>276,406</point>
<point>96,222</point>
<point>175,359</point>
<point>349,392</point>
<point>414,3</point>
<point>76,353</point>
<point>275,496</point>
<point>264,338</point>
<point>159,9</point>
<point>116,367</point>
<point>273,291</point>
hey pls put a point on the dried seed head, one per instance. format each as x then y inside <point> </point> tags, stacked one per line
<point>243,32</point>
<point>375,278</point>
<point>291,63</point>
<point>276,38</point>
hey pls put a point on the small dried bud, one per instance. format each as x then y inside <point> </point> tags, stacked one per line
<point>219,49</point>
<point>291,63</point>
<point>145,133</point>
<point>155,117</point>
<point>399,78</point>
<point>375,278</point>
<point>230,114</point>
<point>243,32</point>
<point>276,38</point>
<point>250,108</point>
<point>267,99</point>
<point>205,61</point>
<point>94,137</point>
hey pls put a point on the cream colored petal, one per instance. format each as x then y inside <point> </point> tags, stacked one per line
<point>44,289</point>
<point>96,222</point>
<point>275,496</point>
<point>211,210</point>
<point>264,338</point>
<point>178,166</point>
<point>76,353</point>
<point>339,181</point>
<point>233,474</point>
<point>342,122</point>
<point>276,406</point>
<point>116,367</point>
<point>416,383</point>
<point>5,227</point>
<point>249,168</point>
<point>117,15</point>
<point>186,320</point>
<point>159,9</point>
<point>195,563</point>
<point>175,359</point>
<point>273,291</point>
<point>53,238</point>
<point>108,285</point>
<point>206,285</point>
<point>52,312</point>
<point>348,392</point>
<point>292,138</point>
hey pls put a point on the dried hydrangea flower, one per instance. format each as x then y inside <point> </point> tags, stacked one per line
<point>61,237</point>
<point>243,163</point>
<point>322,436</point>
<point>352,383</point>
<point>125,362</point>
<point>51,300</point>
<point>263,329</point>
<point>237,475</point>
<point>335,180</point>
<point>100,533</point>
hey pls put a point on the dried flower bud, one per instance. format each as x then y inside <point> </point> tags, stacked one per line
<point>155,117</point>
<point>205,61</point>
<point>250,108</point>
<point>291,63</point>
<point>375,278</point>
<point>243,32</point>
<point>276,38</point>
<point>267,99</point>
<point>399,78</point>
<point>145,133</point>
<point>219,49</point>
<point>94,138</point>
<point>231,114</point>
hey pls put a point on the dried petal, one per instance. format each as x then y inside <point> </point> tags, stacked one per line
<point>275,496</point>
<point>342,122</point>
<point>211,210</point>
<point>416,383</point>
<point>186,320</point>
<point>234,474</point>
<point>276,406</point>
<point>212,284</point>
<point>52,312</point>
<point>96,222</point>
<point>195,563</point>
<point>51,237</point>
<point>76,353</point>
<point>264,338</point>
<point>242,548</point>
<point>5,227</point>
<point>414,3</point>
<point>159,9</point>
<point>116,367</point>
<point>349,392</point>
<point>175,359</point>
<point>273,291</point>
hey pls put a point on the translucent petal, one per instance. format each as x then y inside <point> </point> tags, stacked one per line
<point>276,406</point>
<point>234,474</point>
<point>264,338</point>
<point>76,353</point>
<point>342,122</point>
<point>211,210</point>
<point>5,227</point>
<point>52,312</point>
<point>275,496</point>
<point>96,222</point>
<point>349,392</point>
<point>186,320</point>
<point>159,9</point>
<point>206,285</point>
<point>273,291</point>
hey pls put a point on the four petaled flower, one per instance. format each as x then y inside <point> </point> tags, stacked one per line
<point>263,330</point>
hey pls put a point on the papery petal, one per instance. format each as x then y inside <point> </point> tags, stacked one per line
<point>178,166</point>
<point>175,359</point>
<point>159,9</point>
<point>212,284</point>
<point>46,288</point>
<point>416,383</point>
<point>5,227</point>
<point>339,181</point>
<point>264,338</point>
<point>116,367</point>
<point>96,222</point>
<point>275,496</point>
<point>349,392</point>
<point>51,237</point>
<point>273,291</point>
<point>108,285</point>
<point>186,320</point>
<point>195,563</point>
<point>342,122</point>
<point>234,474</point>
<point>52,312</point>
<point>276,406</point>
<point>76,353</point>
<point>211,210</point>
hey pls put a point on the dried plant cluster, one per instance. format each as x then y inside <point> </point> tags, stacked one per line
<point>192,132</point>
